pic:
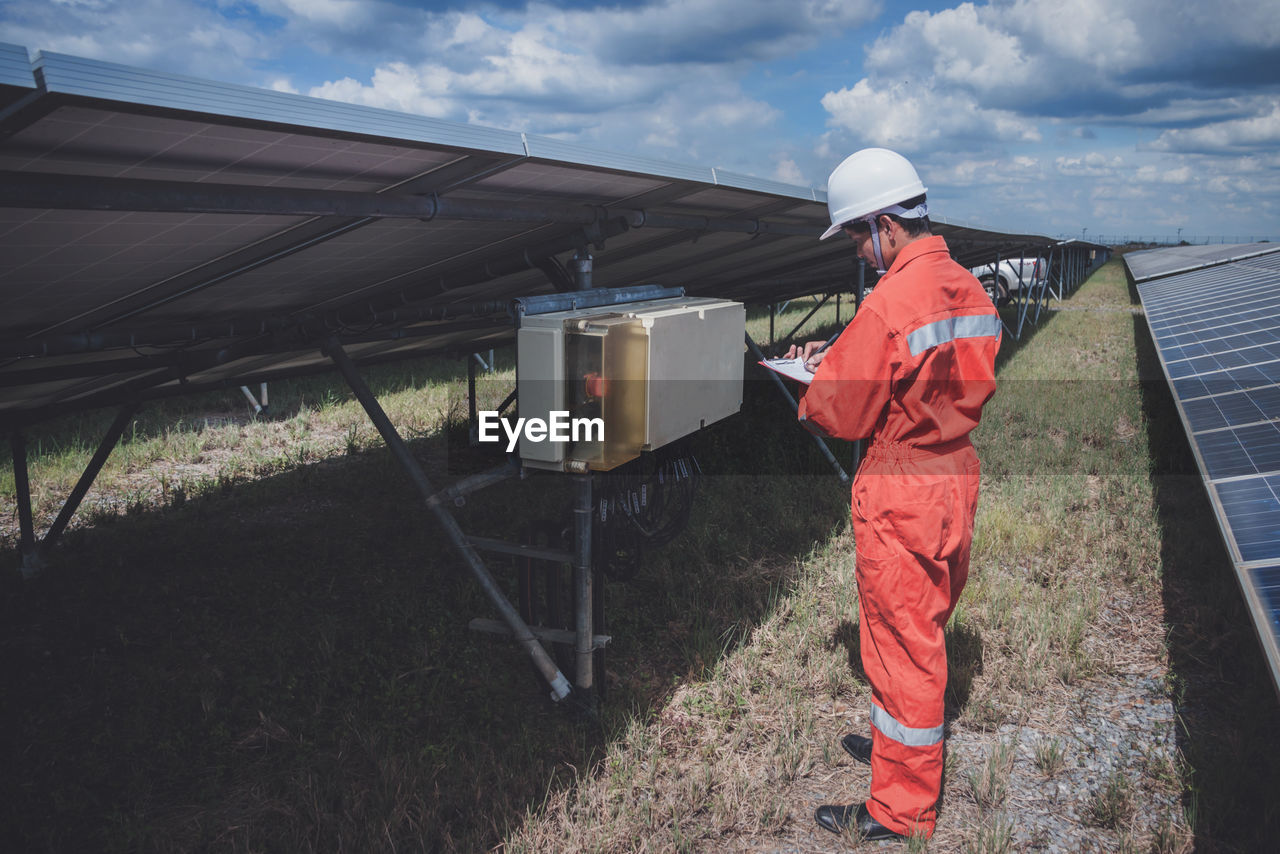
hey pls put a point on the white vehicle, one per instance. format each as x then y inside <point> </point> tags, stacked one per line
<point>1011,276</point>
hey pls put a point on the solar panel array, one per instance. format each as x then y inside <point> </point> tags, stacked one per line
<point>1215,317</point>
<point>162,234</point>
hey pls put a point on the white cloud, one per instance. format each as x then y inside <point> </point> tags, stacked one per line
<point>1147,97</point>
<point>786,171</point>
<point>677,31</point>
<point>175,35</point>
<point>1091,165</point>
<point>952,46</point>
<point>1152,174</point>
<point>340,13</point>
<point>1257,132</point>
<point>532,73</point>
<point>1108,35</point>
<point>914,117</point>
<point>1124,55</point>
<point>987,172</point>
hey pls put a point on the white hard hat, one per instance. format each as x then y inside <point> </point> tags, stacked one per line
<point>869,181</point>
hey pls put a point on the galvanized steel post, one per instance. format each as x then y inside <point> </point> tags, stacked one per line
<point>26,524</point>
<point>109,441</point>
<point>583,647</point>
<point>582,270</point>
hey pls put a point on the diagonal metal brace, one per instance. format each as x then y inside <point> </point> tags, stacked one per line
<point>795,407</point>
<point>519,629</point>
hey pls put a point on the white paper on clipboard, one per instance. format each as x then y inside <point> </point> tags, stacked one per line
<point>790,368</point>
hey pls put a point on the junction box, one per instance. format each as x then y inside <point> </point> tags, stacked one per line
<point>648,372</point>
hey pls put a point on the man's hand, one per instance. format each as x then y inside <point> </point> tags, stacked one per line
<point>812,353</point>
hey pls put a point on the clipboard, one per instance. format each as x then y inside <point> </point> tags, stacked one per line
<point>793,369</point>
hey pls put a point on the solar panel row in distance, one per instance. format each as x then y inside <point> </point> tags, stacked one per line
<point>1214,314</point>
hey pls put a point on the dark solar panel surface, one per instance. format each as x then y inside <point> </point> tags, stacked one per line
<point>1217,330</point>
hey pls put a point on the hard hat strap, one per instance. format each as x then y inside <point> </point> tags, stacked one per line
<point>875,242</point>
<point>920,211</point>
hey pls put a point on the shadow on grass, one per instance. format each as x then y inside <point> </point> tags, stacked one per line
<point>286,664</point>
<point>1229,732</point>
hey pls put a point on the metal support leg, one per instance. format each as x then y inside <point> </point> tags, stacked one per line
<point>507,401</point>
<point>473,418</point>
<point>259,403</point>
<point>811,313</point>
<point>559,685</point>
<point>109,441</point>
<point>584,646</point>
<point>582,270</point>
<point>26,525</point>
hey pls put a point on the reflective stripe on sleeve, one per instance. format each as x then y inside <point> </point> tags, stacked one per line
<point>951,328</point>
<point>910,736</point>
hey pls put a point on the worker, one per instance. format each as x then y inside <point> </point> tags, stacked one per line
<point>912,371</point>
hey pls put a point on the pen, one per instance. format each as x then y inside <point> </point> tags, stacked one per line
<point>830,341</point>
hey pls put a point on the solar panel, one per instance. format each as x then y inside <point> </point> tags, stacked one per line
<point>1154,263</point>
<point>145,214</point>
<point>1214,314</point>
<point>16,78</point>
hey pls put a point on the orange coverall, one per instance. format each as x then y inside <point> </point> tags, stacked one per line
<point>913,369</point>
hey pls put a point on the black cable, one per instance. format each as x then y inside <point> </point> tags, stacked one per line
<point>641,505</point>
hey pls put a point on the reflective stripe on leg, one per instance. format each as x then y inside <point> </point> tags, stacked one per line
<point>910,736</point>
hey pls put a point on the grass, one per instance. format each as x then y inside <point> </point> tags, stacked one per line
<point>253,641</point>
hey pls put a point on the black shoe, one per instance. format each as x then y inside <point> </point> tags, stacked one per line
<point>857,746</point>
<point>856,820</point>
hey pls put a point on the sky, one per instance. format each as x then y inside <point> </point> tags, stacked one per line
<point>1097,118</point>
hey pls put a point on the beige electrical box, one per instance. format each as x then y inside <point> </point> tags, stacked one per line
<point>598,386</point>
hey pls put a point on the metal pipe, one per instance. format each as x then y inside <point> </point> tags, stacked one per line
<point>582,270</point>
<point>473,418</point>
<point>795,407</point>
<point>114,432</point>
<point>812,312</point>
<point>476,482</point>
<point>21,480</point>
<point>507,401</point>
<point>253,401</point>
<point>584,643</point>
<point>76,371</point>
<point>46,191</point>
<point>1024,293</point>
<point>555,679</point>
